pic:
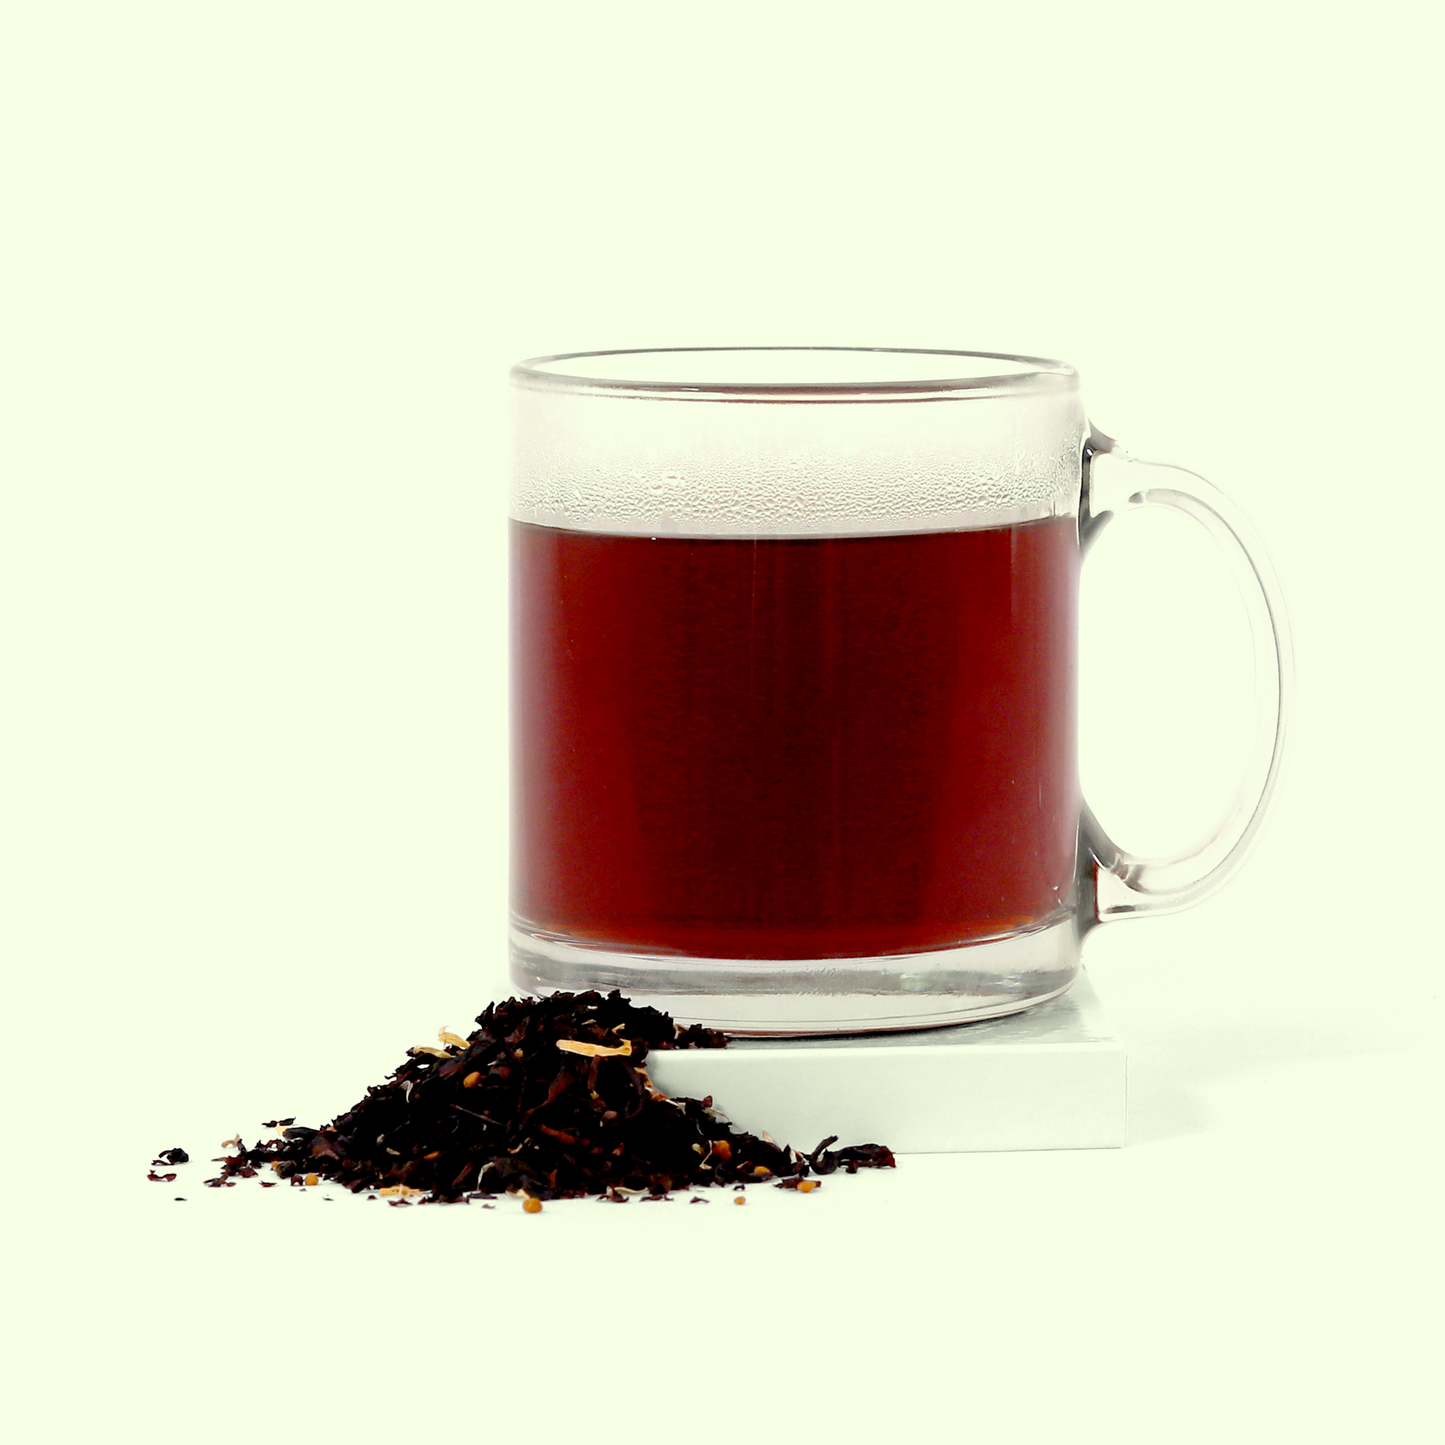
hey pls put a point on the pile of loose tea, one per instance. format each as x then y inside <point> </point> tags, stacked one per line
<point>548,1099</point>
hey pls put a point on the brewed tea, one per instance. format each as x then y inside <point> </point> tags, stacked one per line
<point>794,748</point>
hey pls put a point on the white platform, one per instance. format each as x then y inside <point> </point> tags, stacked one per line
<point>1049,1078</point>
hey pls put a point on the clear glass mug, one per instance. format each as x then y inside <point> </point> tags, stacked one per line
<point>794,650</point>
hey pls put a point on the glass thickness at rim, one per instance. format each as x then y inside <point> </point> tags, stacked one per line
<point>794,373</point>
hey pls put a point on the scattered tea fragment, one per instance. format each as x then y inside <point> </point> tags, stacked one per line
<point>546,1099</point>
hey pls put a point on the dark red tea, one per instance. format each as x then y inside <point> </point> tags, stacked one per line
<point>794,748</point>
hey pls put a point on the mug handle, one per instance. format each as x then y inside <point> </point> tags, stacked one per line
<point>1121,885</point>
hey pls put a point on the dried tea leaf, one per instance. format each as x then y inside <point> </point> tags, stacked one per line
<point>546,1099</point>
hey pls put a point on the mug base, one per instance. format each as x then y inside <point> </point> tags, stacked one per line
<point>791,997</point>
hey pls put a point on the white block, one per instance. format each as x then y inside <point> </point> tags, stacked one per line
<point>1051,1077</point>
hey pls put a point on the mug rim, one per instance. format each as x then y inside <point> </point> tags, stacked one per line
<point>1037,374</point>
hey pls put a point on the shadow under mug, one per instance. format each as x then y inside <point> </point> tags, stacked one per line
<point>794,641</point>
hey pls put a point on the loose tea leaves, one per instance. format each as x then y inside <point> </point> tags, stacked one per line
<point>548,1099</point>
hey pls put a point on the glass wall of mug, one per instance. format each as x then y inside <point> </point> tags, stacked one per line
<point>794,655</point>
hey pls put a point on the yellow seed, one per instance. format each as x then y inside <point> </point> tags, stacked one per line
<point>435,1154</point>
<point>533,1206</point>
<point>722,1149</point>
<point>762,1171</point>
<point>312,1179</point>
<point>472,1080</point>
<point>807,1186</point>
<point>740,1198</point>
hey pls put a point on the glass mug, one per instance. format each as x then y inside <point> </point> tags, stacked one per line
<point>794,649</point>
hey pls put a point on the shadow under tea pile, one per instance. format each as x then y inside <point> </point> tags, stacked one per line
<point>548,1098</point>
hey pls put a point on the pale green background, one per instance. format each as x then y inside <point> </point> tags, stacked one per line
<point>265,267</point>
